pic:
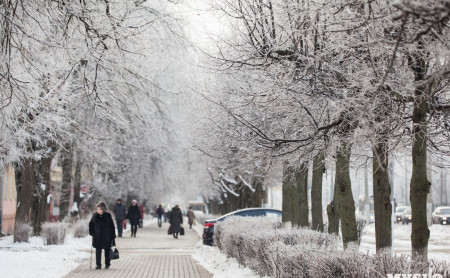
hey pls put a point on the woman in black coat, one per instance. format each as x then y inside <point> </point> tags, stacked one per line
<point>134,215</point>
<point>101,228</point>
<point>176,219</point>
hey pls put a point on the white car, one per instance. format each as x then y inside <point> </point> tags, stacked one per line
<point>398,213</point>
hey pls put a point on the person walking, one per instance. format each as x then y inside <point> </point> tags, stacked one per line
<point>120,214</point>
<point>133,215</point>
<point>101,228</point>
<point>176,219</point>
<point>160,213</point>
<point>191,216</point>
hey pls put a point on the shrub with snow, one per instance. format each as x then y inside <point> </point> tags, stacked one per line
<point>53,233</point>
<point>81,228</point>
<point>258,244</point>
<point>22,233</point>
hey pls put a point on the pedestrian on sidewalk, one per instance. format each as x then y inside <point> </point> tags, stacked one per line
<point>191,216</point>
<point>133,215</point>
<point>160,213</point>
<point>176,219</point>
<point>120,214</point>
<point>101,228</point>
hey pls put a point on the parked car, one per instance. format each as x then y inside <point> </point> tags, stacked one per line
<point>441,215</point>
<point>208,226</point>
<point>406,216</point>
<point>398,213</point>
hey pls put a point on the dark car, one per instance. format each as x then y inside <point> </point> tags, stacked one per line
<point>406,216</point>
<point>208,226</point>
<point>441,215</point>
<point>398,213</point>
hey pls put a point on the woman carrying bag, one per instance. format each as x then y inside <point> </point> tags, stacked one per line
<point>176,219</point>
<point>102,230</point>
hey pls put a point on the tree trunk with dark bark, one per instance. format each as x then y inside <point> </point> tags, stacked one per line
<point>345,196</point>
<point>258,195</point>
<point>66,183</point>
<point>316,193</point>
<point>420,186</point>
<point>25,188</point>
<point>301,183</point>
<point>333,213</point>
<point>382,195</point>
<point>289,195</point>
<point>77,182</point>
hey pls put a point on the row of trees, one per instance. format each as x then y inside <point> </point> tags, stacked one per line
<point>321,82</point>
<point>83,82</point>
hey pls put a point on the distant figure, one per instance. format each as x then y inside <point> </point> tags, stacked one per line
<point>191,216</point>
<point>142,211</point>
<point>176,219</point>
<point>160,213</point>
<point>120,214</point>
<point>101,228</point>
<point>167,215</point>
<point>134,215</point>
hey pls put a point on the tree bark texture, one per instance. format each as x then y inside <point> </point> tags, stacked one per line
<point>66,183</point>
<point>77,181</point>
<point>316,193</point>
<point>289,195</point>
<point>420,186</point>
<point>382,195</point>
<point>301,184</point>
<point>259,194</point>
<point>345,196</point>
<point>333,213</point>
<point>25,188</point>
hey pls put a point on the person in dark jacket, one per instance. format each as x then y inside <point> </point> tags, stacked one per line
<point>160,213</point>
<point>120,213</point>
<point>134,215</point>
<point>176,219</point>
<point>101,228</point>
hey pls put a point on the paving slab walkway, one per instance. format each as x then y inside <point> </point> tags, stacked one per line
<point>152,253</point>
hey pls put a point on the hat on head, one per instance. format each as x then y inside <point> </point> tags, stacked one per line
<point>134,201</point>
<point>102,205</point>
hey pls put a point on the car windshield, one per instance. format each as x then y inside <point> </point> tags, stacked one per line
<point>445,211</point>
<point>401,209</point>
<point>408,211</point>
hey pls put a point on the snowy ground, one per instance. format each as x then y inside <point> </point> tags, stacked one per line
<point>438,245</point>
<point>34,259</point>
<point>217,263</point>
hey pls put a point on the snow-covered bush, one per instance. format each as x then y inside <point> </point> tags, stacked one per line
<point>259,245</point>
<point>81,228</point>
<point>22,233</point>
<point>53,233</point>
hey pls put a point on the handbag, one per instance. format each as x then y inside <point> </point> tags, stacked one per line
<point>140,223</point>
<point>169,231</point>
<point>113,254</point>
<point>124,223</point>
<point>181,231</point>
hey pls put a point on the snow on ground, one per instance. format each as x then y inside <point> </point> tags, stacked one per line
<point>438,245</point>
<point>217,263</point>
<point>35,259</point>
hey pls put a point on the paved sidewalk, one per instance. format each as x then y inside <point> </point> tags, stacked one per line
<point>152,253</point>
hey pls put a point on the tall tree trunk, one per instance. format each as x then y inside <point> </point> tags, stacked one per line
<point>382,195</point>
<point>333,213</point>
<point>345,196</point>
<point>66,183</point>
<point>289,196</point>
<point>25,188</point>
<point>77,182</point>
<point>301,183</point>
<point>420,186</point>
<point>40,208</point>
<point>258,195</point>
<point>316,193</point>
